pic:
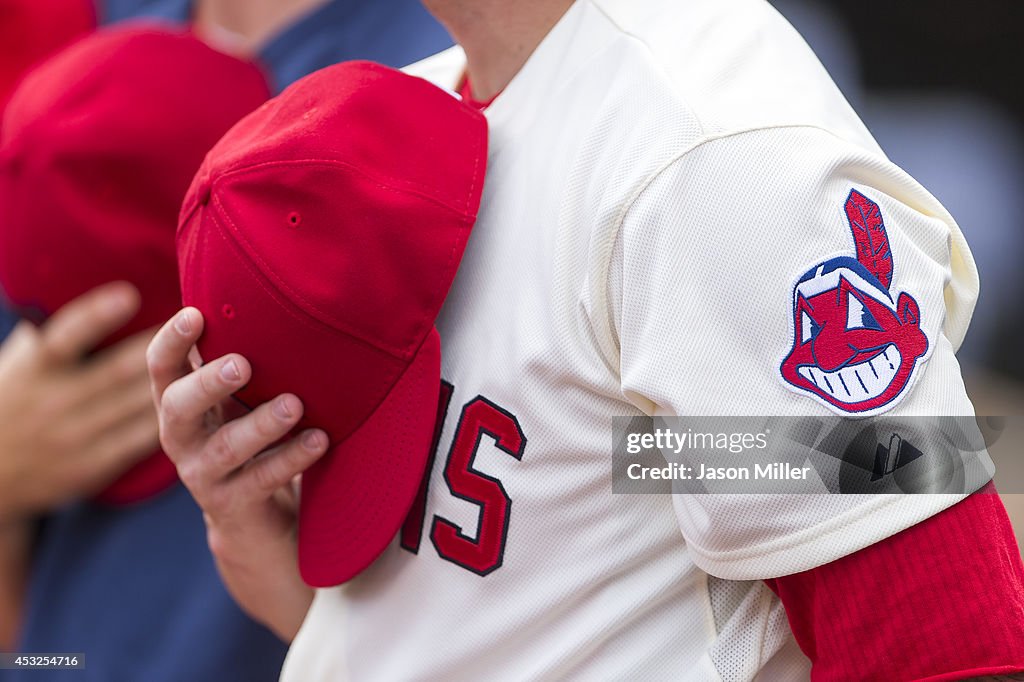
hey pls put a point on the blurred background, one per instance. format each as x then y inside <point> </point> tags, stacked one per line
<point>938,83</point>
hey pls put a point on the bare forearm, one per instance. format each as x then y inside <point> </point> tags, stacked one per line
<point>262,576</point>
<point>277,601</point>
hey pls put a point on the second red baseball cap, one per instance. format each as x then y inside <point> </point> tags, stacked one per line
<point>31,30</point>
<point>319,240</point>
<point>98,146</point>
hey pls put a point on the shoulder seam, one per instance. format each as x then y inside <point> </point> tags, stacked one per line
<point>656,65</point>
<point>679,156</point>
<point>628,205</point>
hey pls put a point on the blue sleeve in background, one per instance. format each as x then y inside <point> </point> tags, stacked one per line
<point>392,32</point>
<point>113,11</point>
<point>7,322</point>
<point>136,590</point>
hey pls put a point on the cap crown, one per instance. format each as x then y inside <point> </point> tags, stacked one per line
<point>322,234</point>
<point>98,147</point>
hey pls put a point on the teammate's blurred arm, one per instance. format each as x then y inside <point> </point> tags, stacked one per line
<point>69,425</point>
<point>15,542</point>
<point>242,486</point>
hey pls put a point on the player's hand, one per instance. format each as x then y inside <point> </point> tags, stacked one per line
<point>242,484</point>
<point>69,424</point>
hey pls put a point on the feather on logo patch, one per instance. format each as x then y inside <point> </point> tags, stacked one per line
<point>855,347</point>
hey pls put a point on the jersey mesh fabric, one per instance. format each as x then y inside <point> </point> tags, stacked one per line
<point>747,617</point>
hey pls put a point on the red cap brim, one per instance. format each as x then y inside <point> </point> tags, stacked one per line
<point>357,496</point>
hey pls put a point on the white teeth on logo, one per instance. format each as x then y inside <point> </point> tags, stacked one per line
<point>857,383</point>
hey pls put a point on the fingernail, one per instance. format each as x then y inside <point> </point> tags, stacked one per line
<point>183,323</point>
<point>283,408</point>
<point>313,440</point>
<point>230,371</point>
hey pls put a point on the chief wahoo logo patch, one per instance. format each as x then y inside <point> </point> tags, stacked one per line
<point>855,346</point>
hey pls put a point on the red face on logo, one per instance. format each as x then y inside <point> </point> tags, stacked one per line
<point>853,348</point>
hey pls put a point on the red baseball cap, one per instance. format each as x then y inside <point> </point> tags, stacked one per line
<point>97,149</point>
<point>319,240</point>
<point>31,30</point>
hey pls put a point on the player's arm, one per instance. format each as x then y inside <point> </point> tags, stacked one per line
<point>242,484</point>
<point>743,280</point>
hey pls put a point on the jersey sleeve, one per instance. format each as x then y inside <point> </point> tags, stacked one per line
<point>783,272</point>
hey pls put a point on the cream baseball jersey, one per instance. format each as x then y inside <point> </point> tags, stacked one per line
<point>682,216</point>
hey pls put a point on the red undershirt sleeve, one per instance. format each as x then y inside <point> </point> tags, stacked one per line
<point>942,600</point>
